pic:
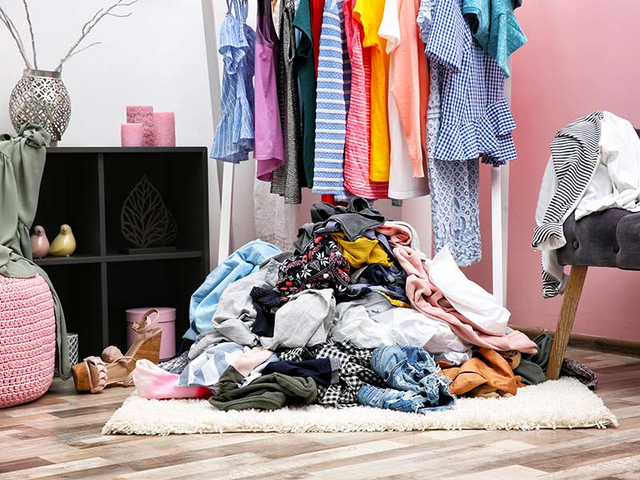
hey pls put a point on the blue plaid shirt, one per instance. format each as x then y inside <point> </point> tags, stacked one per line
<point>476,120</point>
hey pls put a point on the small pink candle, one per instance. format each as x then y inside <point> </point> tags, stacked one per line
<point>132,134</point>
<point>164,129</point>
<point>142,114</point>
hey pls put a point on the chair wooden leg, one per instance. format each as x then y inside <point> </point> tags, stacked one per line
<point>565,320</point>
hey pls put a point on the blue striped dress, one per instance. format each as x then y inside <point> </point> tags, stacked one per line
<point>234,137</point>
<point>332,103</point>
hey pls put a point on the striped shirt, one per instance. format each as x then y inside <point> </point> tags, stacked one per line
<point>332,103</point>
<point>574,159</point>
<point>234,137</point>
<point>358,142</point>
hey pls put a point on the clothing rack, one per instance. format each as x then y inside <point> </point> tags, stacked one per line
<point>222,188</point>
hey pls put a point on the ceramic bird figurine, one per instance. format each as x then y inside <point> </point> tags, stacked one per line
<point>39,242</point>
<point>64,244</point>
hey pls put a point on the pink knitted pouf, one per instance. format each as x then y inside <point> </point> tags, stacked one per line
<point>27,339</point>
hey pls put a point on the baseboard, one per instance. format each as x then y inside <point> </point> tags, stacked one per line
<point>589,342</point>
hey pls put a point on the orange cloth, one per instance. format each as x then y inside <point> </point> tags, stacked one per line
<point>369,13</point>
<point>411,97</point>
<point>488,369</point>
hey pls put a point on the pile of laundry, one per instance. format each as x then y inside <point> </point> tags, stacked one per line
<point>356,315</point>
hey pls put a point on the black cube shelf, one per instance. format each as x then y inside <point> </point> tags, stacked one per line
<point>86,187</point>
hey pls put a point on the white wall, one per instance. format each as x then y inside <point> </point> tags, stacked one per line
<point>157,57</point>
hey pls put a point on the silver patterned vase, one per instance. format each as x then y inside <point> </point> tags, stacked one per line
<point>40,97</point>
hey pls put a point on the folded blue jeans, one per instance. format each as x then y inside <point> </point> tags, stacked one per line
<point>417,385</point>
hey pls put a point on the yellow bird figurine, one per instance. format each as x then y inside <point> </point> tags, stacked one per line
<point>64,244</point>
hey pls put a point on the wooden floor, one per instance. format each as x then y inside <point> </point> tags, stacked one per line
<point>58,436</point>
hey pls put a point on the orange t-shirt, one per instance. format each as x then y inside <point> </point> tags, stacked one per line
<point>369,13</point>
<point>410,63</point>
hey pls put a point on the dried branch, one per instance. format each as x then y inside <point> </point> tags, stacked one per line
<point>33,38</point>
<point>84,48</point>
<point>16,36</point>
<point>86,29</point>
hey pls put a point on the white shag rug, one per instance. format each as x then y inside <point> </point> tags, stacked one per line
<point>564,403</point>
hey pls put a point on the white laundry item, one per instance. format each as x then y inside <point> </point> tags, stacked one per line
<point>411,327</point>
<point>616,181</point>
<point>470,299</point>
<point>402,183</point>
<point>354,324</point>
<point>372,322</point>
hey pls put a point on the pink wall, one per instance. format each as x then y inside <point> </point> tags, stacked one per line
<point>582,55</point>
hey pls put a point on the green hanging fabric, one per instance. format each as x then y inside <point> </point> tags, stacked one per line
<point>306,71</point>
<point>22,160</point>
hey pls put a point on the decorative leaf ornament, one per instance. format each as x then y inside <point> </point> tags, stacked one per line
<point>145,220</point>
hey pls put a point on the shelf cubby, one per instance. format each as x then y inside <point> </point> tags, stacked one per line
<point>85,187</point>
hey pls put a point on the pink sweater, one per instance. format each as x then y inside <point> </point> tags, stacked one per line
<point>426,298</point>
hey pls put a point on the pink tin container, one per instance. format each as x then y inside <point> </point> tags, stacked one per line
<point>167,322</point>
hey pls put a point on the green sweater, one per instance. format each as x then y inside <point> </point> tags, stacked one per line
<point>268,392</point>
<point>22,160</point>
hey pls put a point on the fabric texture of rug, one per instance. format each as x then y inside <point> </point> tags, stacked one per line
<point>563,403</point>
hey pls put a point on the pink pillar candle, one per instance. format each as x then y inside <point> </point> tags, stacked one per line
<point>142,114</point>
<point>131,134</point>
<point>164,129</point>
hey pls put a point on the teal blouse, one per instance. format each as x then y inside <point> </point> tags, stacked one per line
<point>495,27</point>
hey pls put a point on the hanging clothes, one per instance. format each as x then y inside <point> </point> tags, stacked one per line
<point>332,103</point>
<point>455,210</point>
<point>358,139</point>
<point>369,13</point>
<point>402,183</point>
<point>306,72</point>
<point>476,120</point>
<point>269,149</point>
<point>495,27</point>
<point>276,13</point>
<point>288,178</point>
<point>317,12</point>
<point>412,106</point>
<point>234,137</point>
<point>276,222</point>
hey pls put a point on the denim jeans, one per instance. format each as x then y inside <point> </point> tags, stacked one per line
<point>417,385</point>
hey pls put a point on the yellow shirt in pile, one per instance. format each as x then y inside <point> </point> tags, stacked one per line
<point>362,251</point>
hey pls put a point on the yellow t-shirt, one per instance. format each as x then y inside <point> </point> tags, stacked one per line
<point>369,14</point>
<point>362,251</point>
